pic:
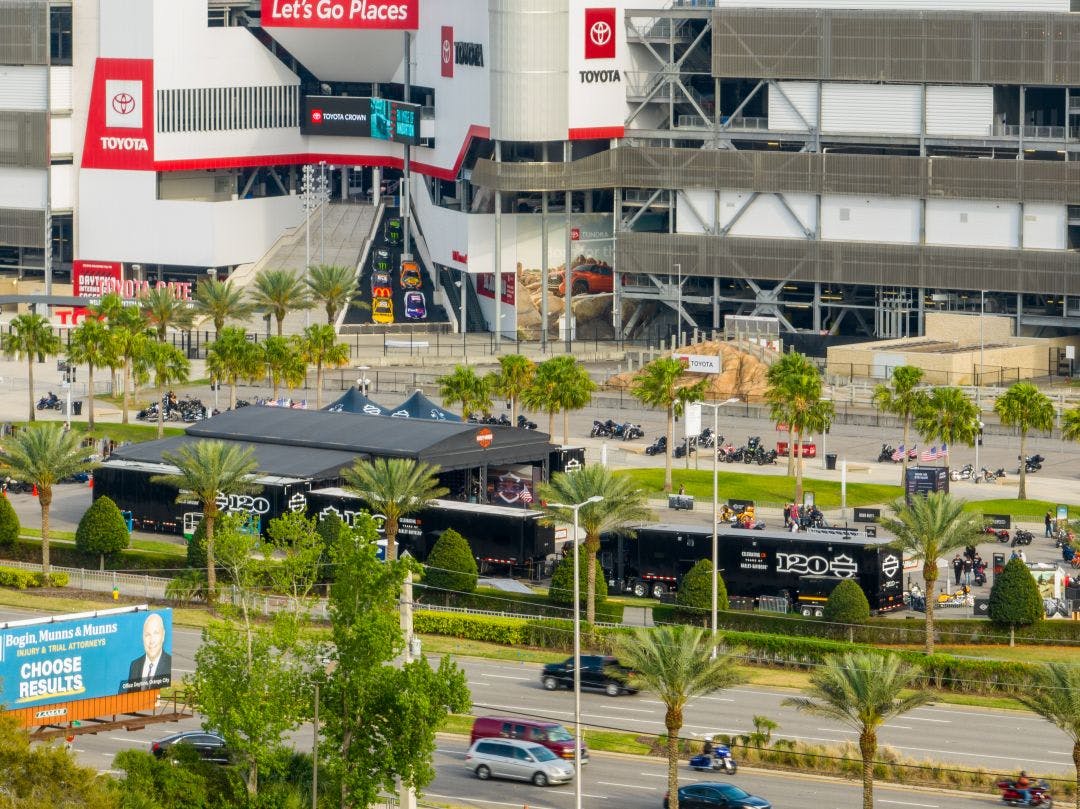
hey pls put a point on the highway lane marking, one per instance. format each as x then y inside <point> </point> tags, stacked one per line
<point>504,676</point>
<point>890,727</point>
<point>482,800</point>
<point>646,774</point>
<point>620,707</point>
<point>1002,715</point>
<point>710,699</point>
<point>823,730</point>
<point>916,718</point>
<point>628,786</point>
<point>906,803</point>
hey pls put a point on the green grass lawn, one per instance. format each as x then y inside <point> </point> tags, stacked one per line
<point>134,433</point>
<point>1030,510</point>
<point>762,489</point>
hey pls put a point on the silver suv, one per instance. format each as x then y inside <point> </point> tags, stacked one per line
<point>513,758</point>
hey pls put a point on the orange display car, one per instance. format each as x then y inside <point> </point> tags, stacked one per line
<point>410,275</point>
<point>588,279</point>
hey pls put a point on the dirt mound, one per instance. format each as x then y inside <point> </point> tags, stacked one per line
<point>742,373</point>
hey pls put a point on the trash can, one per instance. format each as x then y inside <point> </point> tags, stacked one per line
<point>76,408</point>
<point>830,460</point>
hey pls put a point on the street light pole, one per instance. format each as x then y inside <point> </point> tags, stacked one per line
<point>715,511</point>
<point>575,507</point>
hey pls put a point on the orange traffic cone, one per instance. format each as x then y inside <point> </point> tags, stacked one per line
<point>34,492</point>
<point>90,481</point>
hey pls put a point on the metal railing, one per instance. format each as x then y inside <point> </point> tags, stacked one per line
<point>103,581</point>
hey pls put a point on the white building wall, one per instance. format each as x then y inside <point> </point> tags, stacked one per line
<point>22,187</point>
<point>870,219</point>
<point>60,88</point>
<point>62,187</point>
<point>446,231</point>
<point>22,87</point>
<point>60,136</point>
<point>850,107</point>
<point>1045,226</point>
<point>972,223</point>
<point>959,110</point>
<point>792,100</point>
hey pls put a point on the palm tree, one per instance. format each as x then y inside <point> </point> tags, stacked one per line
<point>169,366</point>
<point>1025,407</point>
<point>44,454</point>
<point>1070,424</point>
<point>513,378</point>
<point>574,391</point>
<point>333,285</point>
<point>1054,694</point>
<point>130,338</point>
<point>232,358</point>
<point>930,528</point>
<point>284,363</point>
<point>949,417</point>
<point>32,336</point>
<point>278,292</point>
<point>464,387</point>
<point>220,301</point>
<point>91,345</point>
<point>676,664</point>
<point>794,397</point>
<point>862,690</point>
<point>902,399</point>
<point>543,393</point>
<point>319,347</point>
<point>205,470</point>
<point>395,488</point>
<point>659,385</point>
<point>161,310</point>
<point>623,504</point>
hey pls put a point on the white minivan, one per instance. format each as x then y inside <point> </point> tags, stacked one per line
<point>521,760</point>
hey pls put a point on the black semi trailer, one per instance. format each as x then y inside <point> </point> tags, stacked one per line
<point>502,539</point>
<point>802,567</point>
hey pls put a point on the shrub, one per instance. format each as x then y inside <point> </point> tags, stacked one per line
<point>562,581</point>
<point>695,593</point>
<point>331,528</point>
<point>847,604</point>
<point>188,587</point>
<point>9,523</point>
<point>196,547</point>
<point>1014,598</point>
<point>23,579</point>
<point>102,530</point>
<point>451,566</point>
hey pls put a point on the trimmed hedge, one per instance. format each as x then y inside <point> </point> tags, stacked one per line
<point>490,599</point>
<point>63,555</point>
<point>23,579</point>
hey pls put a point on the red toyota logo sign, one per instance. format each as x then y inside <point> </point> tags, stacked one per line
<point>599,33</point>
<point>316,116</point>
<point>484,437</point>
<point>447,54</point>
<point>123,103</point>
<point>575,234</point>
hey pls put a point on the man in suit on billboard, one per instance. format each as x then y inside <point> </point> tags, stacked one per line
<point>154,668</point>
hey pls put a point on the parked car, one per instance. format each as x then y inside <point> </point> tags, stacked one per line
<point>392,230</point>
<point>381,260</point>
<point>600,672</point>
<point>513,758</point>
<point>209,746</point>
<point>382,310</point>
<point>415,305</point>
<point>381,286</point>
<point>410,275</point>
<point>711,795</point>
<point>588,279</point>
<point>551,735</point>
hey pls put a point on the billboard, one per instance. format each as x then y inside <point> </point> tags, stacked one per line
<point>389,15</point>
<point>82,657</point>
<point>120,121</point>
<point>361,117</point>
<point>92,279</point>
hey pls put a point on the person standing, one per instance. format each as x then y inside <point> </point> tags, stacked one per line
<point>958,567</point>
<point>967,571</point>
<point>1049,523</point>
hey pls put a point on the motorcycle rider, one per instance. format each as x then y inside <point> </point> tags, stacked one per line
<point>1023,787</point>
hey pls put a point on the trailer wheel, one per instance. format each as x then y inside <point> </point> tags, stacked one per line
<point>640,590</point>
<point>807,612</point>
<point>658,590</point>
<point>819,612</point>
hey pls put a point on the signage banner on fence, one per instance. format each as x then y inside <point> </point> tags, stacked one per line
<point>83,657</point>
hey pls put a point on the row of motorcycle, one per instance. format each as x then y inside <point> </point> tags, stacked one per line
<point>503,420</point>
<point>188,410</point>
<point>1002,535</point>
<point>627,431</point>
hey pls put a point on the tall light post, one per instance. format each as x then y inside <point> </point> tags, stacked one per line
<point>575,507</point>
<point>715,509</point>
<point>308,191</point>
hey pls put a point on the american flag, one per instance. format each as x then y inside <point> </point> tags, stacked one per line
<point>934,453</point>
<point>526,496</point>
<point>899,454</point>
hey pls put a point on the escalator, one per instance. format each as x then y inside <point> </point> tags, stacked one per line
<point>473,316</point>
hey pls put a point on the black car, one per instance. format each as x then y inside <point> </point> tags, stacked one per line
<point>209,746</point>
<point>603,673</point>
<point>381,260</point>
<point>717,795</point>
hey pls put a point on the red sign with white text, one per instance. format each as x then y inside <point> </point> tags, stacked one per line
<point>446,52</point>
<point>391,15</point>
<point>120,125</point>
<point>92,279</point>
<point>485,285</point>
<point>599,33</point>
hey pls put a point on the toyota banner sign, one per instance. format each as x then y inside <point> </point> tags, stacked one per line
<point>361,117</point>
<point>388,15</point>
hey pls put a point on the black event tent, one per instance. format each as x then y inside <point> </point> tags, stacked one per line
<point>355,402</point>
<point>418,406</point>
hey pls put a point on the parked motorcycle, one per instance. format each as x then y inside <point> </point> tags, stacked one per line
<point>1039,791</point>
<point>719,760</point>
<point>989,476</point>
<point>657,447</point>
<point>632,431</point>
<point>1000,534</point>
<point>706,438</point>
<point>886,453</point>
<point>1022,537</point>
<point>1032,463</point>
<point>600,429</point>
<point>964,473</point>
<point>687,446</point>
<point>524,424</point>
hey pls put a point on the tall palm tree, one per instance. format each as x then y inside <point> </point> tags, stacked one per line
<point>660,385</point>
<point>333,286</point>
<point>543,393</point>
<point>278,292</point>
<point>862,690</point>
<point>574,391</point>
<point>206,469</point>
<point>284,363</point>
<point>949,417</point>
<point>320,347</point>
<point>130,336</point>
<point>1070,424</point>
<point>1054,694</point>
<point>395,488</point>
<point>1025,407</point>
<point>168,366</point>
<point>676,664</point>
<point>464,387</point>
<point>32,336</point>
<point>91,345</point>
<point>513,378</point>
<point>162,310</point>
<point>220,301</point>
<point>232,358</point>
<point>903,399</point>
<point>794,397</point>
<point>623,504</point>
<point>43,454</point>
<point>930,528</point>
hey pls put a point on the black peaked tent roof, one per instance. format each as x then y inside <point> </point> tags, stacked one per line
<point>298,443</point>
<point>418,406</point>
<point>355,402</point>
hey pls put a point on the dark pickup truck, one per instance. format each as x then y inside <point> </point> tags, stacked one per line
<point>597,672</point>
